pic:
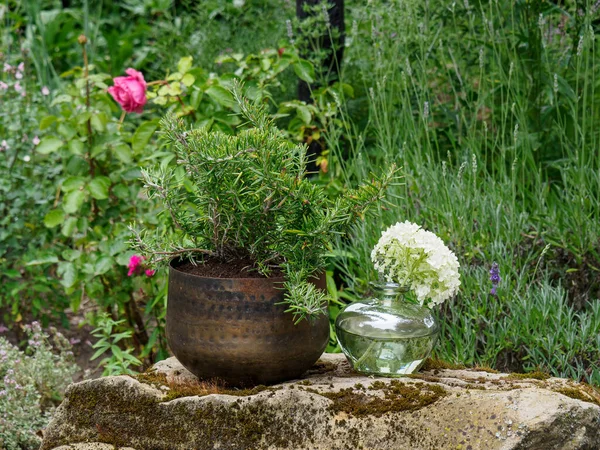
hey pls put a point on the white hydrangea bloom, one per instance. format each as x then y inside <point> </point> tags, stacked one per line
<point>410,256</point>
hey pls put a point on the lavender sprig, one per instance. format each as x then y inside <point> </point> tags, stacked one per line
<point>495,277</point>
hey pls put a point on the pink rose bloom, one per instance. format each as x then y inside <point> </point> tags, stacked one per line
<point>135,263</point>
<point>3,85</point>
<point>150,273</point>
<point>18,87</point>
<point>129,92</point>
<point>21,66</point>
<point>19,76</point>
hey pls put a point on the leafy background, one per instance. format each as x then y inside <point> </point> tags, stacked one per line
<point>489,107</point>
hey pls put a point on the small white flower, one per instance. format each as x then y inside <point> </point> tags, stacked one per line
<point>239,3</point>
<point>408,255</point>
<point>45,90</point>
<point>35,140</point>
<point>19,76</point>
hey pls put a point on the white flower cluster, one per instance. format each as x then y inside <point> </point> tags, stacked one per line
<point>410,256</point>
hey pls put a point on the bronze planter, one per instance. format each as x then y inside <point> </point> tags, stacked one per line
<point>232,329</point>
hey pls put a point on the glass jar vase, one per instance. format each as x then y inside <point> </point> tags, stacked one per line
<point>386,334</point>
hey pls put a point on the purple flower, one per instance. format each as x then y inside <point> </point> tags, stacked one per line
<point>494,277</point>
<point>3,328</point>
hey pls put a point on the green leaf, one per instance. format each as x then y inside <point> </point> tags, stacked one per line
<point>54,218</point>
<point>76,147</point>
<point>98,187</point>
<point>69,227</point>
<point>304,114</point>
<point>121,191</point>
<point>73,201</point>
<point>48,145</point>
<point>72,183</point>
<point>68,273</point>
<point>98,122</point>
<point>143,134</point>
<point>305,70</point>
<point>47,121</point>
<point>123,153</point>
<point>188,79</point>
<point>221,95</point>
<point>63,98</point>
<point>77,165</point>
<point>98,353</point>
<point>66,131</point>
<point>184,64</point>
<point>117,351</point>
<point>175,76</point>
<point>70,254</point>
<point>103,265</point>
<point>45,259</point>
<point>196,98</point>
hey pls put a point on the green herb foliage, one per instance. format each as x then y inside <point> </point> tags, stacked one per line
<point>248,196</point>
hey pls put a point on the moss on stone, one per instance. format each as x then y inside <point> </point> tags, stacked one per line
<point>398,396</point>
<point>239,424</point>
<point>191,388</point>
<point>486,369</point>
<point>438,364</point>
<point>537,375</point>
<point>582,392</point>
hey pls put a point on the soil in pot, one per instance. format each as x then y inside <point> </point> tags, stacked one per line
<point>219,268</point>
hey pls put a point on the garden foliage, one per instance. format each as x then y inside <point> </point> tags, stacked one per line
<point>490,107</point>
<point>32,383</point>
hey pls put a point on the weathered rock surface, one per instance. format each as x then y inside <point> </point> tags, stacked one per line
<point>331,408</point>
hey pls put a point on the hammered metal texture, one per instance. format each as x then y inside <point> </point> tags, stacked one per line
<point>231,329</point>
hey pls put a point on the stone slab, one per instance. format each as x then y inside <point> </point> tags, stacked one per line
<point>331,408</point>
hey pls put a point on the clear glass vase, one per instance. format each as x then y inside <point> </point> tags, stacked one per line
<point>386,334</point>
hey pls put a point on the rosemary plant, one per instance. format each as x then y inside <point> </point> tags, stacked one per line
<point>246,196</point>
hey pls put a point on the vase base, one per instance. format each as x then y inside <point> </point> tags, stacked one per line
<point>383,371</point>
<point>386,357</point>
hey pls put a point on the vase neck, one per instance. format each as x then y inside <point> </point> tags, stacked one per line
<point>390,292</point>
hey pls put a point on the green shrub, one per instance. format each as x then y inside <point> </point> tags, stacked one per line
<point>246,196</point>
<point>32,383</point>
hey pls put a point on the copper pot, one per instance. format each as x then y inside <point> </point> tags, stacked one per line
<point>232,329</point>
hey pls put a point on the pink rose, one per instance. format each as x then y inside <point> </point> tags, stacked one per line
<point>130,92</point>
<point>135,264</point>
<point>150,273</point>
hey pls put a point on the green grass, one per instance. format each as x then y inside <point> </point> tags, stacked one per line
<point>493,115</point>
